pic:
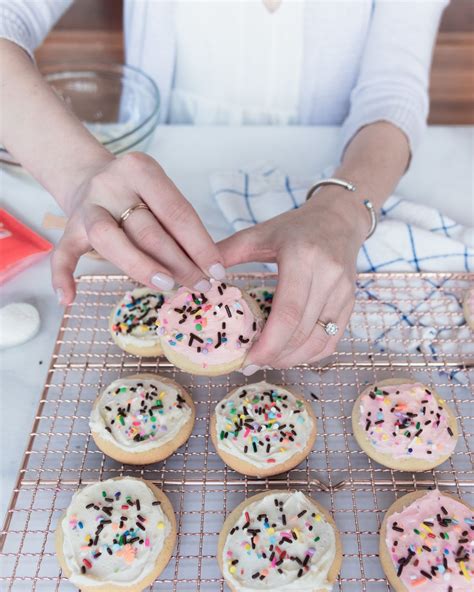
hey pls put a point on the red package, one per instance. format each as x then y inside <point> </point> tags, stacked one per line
<point>20,247</point>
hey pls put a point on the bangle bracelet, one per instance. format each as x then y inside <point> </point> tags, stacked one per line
<point>350,187</point>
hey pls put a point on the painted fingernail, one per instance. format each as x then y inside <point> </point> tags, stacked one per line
<point>162,281</point>
<point>60,295</point>
<point>217,271</point>
<point>250,369</point>
<point>203,286</point>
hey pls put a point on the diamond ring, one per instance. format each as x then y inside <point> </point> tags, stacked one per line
<point>330,327</point>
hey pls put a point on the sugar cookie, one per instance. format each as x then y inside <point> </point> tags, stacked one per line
<point>133,322</point>
<point>116,535</point>
<point>426,543</point>
<point>142,419</point>
<point>404,425</point>
<point>279,540</point>
<point>262,429</point>
<point>209,334</point>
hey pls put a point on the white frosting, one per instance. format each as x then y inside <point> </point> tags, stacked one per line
<point>139,418</point>
<point>317,556</point>
<point>262,424</point>
<point>129,563</point>
<point>142,304</point>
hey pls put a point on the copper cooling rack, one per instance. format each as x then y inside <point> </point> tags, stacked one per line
<point>403,324</point>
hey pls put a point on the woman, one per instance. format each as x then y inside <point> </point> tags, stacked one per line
<point>361,63</point>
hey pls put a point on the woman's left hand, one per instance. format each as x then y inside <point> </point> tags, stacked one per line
<point>316,249</point>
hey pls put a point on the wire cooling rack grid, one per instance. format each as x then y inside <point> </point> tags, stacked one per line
<point>61,456</point>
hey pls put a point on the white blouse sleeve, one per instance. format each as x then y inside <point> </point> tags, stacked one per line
<point>27,22</point>
<point>394,73</point>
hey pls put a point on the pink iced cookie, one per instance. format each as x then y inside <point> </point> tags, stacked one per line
<point>211,333</point>
<point>404,425</point>
<point>427,542</point>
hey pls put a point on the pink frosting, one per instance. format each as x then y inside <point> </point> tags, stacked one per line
<point>431,543</point>
<point>406,421</point>
<point>214,328</point>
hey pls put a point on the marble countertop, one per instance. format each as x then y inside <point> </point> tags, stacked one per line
<point>440,175</point>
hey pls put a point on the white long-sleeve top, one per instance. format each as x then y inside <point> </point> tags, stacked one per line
<point>348,62</point>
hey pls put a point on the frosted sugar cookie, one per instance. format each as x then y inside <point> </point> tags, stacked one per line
<point>426,543</point>
<point>211,333</point>
<point>134,325</point>
<point>116,535</point>
<point>404,425</point>
<point>279,540</point>
<point>142,419</point>
<point>262,429</point>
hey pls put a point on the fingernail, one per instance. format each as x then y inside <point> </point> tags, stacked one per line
<point>60,295</point>
<point>162,281</point>
<point>217,271</point>
<point>203,286</point>
<point>250,369</point>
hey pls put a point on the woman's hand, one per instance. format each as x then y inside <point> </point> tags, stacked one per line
<point>94,188</point>
<point>168,243</point>
<point>316,248</point>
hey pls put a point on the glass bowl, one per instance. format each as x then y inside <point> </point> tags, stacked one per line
<point>119,104</point>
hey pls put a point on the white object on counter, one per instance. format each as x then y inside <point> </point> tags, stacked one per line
<point>19,322</point>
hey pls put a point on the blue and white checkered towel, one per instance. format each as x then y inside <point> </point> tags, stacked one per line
<point>409,237</point>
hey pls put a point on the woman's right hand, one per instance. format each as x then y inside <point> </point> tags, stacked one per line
<point>159,247</point>
<point>156,247</point>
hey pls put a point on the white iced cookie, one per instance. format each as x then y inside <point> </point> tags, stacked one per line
<point>142,419</point>
<point>116,535</point>
<point>134,322</point>
<point>19,322</point>
<point>263,429</point>
<point>282,541</point>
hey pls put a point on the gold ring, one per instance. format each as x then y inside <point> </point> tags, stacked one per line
<point>129,211</point>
